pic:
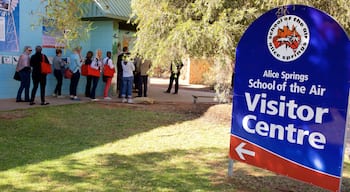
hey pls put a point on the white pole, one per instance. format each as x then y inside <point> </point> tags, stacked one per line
<point>230,167</point>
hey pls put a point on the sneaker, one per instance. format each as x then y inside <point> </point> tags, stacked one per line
<point>95,99</point>
<point>75,98</point>
<point>130,101</point>
<point>124,100</point>
<point>54,94</point>
<point>107,98</point>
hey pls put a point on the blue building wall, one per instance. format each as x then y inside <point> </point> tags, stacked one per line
<point>100,38</point>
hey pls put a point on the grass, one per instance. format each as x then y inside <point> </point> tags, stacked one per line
<point>93,147</point>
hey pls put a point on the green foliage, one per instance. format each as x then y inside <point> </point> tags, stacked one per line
<point>206,28</point>
<point>64,17</point>
<point>169,29</point>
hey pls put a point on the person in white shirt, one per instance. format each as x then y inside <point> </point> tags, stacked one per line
<point>97,65</point>
<point>128,79</point>
<point>107,62</point>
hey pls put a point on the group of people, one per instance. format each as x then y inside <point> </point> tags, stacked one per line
<point>132,72</point>
<point>129,72</point>
<point>75,66</point>
<point>31,65</point>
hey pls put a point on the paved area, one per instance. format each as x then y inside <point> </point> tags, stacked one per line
<point>156,93</point>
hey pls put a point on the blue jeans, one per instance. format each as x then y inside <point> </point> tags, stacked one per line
<point>25,84</point>
<point>127,86</point>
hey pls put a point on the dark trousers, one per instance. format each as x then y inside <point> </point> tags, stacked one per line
<point>119,84</point>
<point>137,80</point>
<point>74,83</point>
<point>143,82</point>
<point>174,76</point>
<point>88,86</point>
<point>94,86</point>
<point>25,84</point>
<point>59,78</point>
<point>36,80</point>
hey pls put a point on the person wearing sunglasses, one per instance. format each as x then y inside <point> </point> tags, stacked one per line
<point>23,67</point>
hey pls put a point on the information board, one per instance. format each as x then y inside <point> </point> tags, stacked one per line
<point>291,95</point>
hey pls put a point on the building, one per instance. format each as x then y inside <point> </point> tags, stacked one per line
<point>111,33</point>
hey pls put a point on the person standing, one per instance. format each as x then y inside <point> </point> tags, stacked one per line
<point>97,65</point>
<point>37,76</point>
<point>143,81</point>
<point>120,70</point>
<point>128,80</point>
<point>75,66</point>
<point>137,72</point>
<point>88,61</point>
<point>23,67</point>
<point>59,66</point>
<point>107,62</point>
<point>175,69</point>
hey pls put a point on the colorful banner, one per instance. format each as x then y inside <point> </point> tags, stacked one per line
<point>49,36</point>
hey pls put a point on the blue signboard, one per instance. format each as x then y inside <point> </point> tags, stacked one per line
<point>291,94</point>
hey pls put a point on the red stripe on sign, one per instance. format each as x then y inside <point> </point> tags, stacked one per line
<point>252,154</point>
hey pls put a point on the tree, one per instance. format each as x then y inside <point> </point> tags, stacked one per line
<point>64,18</point>
<point>168,29</point>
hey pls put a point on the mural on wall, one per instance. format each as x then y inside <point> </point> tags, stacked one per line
<point>121,38</point>
<point>9,25</point>
<point>49,36</point>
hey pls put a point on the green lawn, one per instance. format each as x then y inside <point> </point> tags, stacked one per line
<point>95,147</point>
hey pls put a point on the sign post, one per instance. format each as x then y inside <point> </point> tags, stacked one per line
<point>291,95</point>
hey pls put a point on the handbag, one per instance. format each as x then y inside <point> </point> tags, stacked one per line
<point>108,71</point>
<point>68,73</point>
<point>16,76</point>
<point>87,70</point>
<point>45,67</point>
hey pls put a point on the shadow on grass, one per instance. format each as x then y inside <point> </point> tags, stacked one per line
<point>154,171</point>
<point>51,132</point>
<point>174,170</point>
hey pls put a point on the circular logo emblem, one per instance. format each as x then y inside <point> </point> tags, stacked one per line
<point>288,38</point>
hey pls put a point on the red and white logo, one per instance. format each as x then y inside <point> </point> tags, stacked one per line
<point>288,38</point>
